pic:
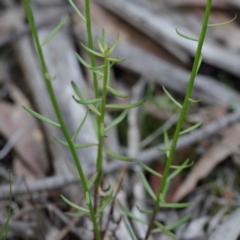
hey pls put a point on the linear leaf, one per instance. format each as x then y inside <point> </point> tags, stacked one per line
<point>74,205</point>
<point>195,101</point>
<point>104,204</point>
<point>164,149</point>
<point>76,145</point>
<point>164,230</point>
<point>104,39</point>
<point>186,37</point>
<point>175,205</point>
<point>177,171</point>
<point>87,102</point>
<point>129,214</point>
<point>85,64</point>
<point>55,31</point>
<point>117,120</point>
<point>147,186</point>
<point>91,51</point>
<point>223,23</point>
<point>99,45</point>
<point>118,156</point>
<point>125,106</point>
<point>40,117</point>
<point>166,142</point>
<point>115,92</point>
<point>115,43</point>
<point>82,97</point>
<point>144,211</point>
<point>172,98</point>
<point>182,167</point>
<point>174,225</point>
<point>80,126</point>
<point>77,10</point>
<point>92,180</point>
<point>191,128</point>
<point>115,60</point>
<point>129,228</point>
<point>149,169</point>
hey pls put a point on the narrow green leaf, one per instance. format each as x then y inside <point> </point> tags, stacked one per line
<point>149,169</point>
<point>166,142</point>
<point>182,167</point>
<point>55,31</point>
<point>164,230</point>
<point>195,101</point>
<point>99,45</point>
<point>186,37</point>
<point>144,211</point>
<point>76,145</point>
<point>175,205</point>
<point>40,117</point>
<point>129,228</point>
<point>172,98</point>
<point>147,186</point>
<point>92,180</point>
<point>77,10</point>
<point>118,156</point>
<point>164,149</point>
<point>223,23</point>
<point>125,106</point>
<point>80,126</point>
<point>117,120</point>
<point>191,128</point>
<point>115,60</point>
<point>85,64</point>
<point>164,193</point>
<point>104,204</point>
<point>74,205</point>
<point>104,39</point>
<point>129,214</point>
<point>87,102</point>
<point>177,171</point>
<point>92,51</point>
<point>174,225</point>
<point>82,97</point>
<point>115,43</point>
<point>115,92</point>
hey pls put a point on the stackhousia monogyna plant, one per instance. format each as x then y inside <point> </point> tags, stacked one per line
<point>98,106</point>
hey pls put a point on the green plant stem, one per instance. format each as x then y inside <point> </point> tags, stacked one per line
<point>181,117</point>
<point>90,44</point>
<point>59,115</point>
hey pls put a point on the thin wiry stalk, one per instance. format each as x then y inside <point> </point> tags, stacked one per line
<point>181,117</point>
<point>59,115</point>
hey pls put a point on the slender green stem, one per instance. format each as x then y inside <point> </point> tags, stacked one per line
<point>181,117</point>
<point>59,115</point>
<point>90,44</point>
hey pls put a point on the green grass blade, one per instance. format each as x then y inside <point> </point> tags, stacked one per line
<point>223,23</point>
<point>92,180</point>
<point>77,10</point>
<point>186,37</point>
<point>147,186</point>
<point>144,211</point>
<point>129,214</point>
<point>177,171</point>
<point>92,51</point>
<point>148,169</point>
<point>191,128</point>
<point>118,156</point>
<point>76,145</point>
<point>164,230</point>
<point>87,102</point>
<point>172,98</point>
<point>106,202</point>
<point>40,117</point>
<point>175,205</point>
<point>117,120</point>
<point>80,126</point>
<point>55,31</point>
<point>174,225</point>
<point>125,106</point>
<point>115,43</point>
<point>115,92</point>
<point>73,205</point>
<point>129,228</point>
